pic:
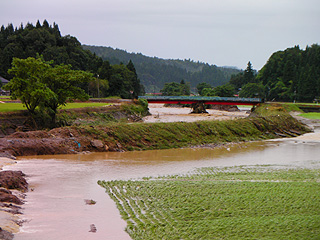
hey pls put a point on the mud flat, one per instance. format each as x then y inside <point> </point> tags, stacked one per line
<point>160,113</point>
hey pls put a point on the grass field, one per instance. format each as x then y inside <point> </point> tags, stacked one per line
<point>9,107</point>
<point>5,98</point>
<point>229,203</point>
<point>311,115</point>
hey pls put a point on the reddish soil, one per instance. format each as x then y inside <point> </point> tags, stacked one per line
<point>10,201</point>
<point>13,180</point>
<point>56,141</point>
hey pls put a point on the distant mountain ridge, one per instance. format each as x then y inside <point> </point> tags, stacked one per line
<point>155,72</point>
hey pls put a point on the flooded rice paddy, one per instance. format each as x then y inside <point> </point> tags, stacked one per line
<point>59,185</point>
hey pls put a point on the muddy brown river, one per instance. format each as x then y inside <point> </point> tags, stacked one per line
<point>59,185</point>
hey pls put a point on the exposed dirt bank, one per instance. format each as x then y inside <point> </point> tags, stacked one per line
<point>12,187</point>
<point>101,138</point>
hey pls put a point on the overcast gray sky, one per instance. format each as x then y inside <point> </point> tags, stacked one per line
<point>221,32</point>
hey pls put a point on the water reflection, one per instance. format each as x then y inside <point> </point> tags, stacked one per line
<point>56,208</point>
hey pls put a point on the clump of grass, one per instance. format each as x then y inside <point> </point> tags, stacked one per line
<point>216,203</point>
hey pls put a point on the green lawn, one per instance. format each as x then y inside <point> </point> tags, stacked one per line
<point>4,98</point>
<point>234,203</point>
<point>311,115</point>
<point>84,104</point>
<point>9,107</point>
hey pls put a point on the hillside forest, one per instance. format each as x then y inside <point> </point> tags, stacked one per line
<point>289,75</point>
<point>45,41</point>
<point>154,72</point>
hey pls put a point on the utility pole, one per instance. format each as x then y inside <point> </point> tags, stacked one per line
<point>98,85</point>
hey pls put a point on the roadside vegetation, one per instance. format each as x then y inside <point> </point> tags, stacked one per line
<point>222,203</point>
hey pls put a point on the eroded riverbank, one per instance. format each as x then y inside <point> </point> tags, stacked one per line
<point>56,208</point>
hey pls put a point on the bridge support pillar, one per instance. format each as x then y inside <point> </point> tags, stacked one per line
<point>198,107</point>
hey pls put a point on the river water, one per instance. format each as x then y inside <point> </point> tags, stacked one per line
<point>55,205</point>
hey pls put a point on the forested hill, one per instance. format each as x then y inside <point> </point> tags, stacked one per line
<point>289,75</point>
<point>45,41</point>
<point>292,74</point>
<point>155,72</point>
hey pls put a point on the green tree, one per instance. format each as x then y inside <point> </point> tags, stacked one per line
<point>208,92</point>
<point>237,80</point>
<point>28,82</point>
<point>252,90</point>
<point>226,90</point>
<point>201,86</point>
<point>63,82</point>
<point>37,84</point>
<point>136,85</point>
<point>98,87</point>
<point>185,88</point>
<point>249,75</point>
<point>176,89</point>
<point>121,81</point>
<point>171,89</point>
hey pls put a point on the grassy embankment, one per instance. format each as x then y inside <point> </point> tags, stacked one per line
<point>229,203</point>
<point>110,125</point>
<point>270,122</point>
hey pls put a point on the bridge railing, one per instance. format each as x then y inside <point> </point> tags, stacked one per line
<point>202,99</point>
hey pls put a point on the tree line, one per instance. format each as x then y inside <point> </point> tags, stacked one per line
<point>45,41</point>
<point>289,75</point>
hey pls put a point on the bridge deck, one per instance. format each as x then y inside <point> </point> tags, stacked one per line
<point>204,100</point>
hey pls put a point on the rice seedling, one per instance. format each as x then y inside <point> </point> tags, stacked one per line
<point>222,203</point>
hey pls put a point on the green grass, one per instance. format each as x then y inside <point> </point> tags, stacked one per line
<point>149,136</point>
<point>244,106</point>
<point>311,115</point>
<point>213,203</point>
<point>4,98</point>
<point>84,104</point>
<point>11,107</point>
